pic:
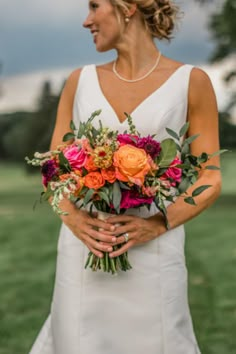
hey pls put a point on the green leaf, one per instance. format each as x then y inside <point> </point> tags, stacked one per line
<point>124,186</point>
<point>116,196</point>
<point>190,200</point>
<point>203,158</point>
<point>47,194</point>
<point>72,125</point>
<point>184,184</point>
<point>184,166</point>
<point>178,147</point>
<point>194,160</point>
<point>172,133</point>
<point>104,197</point>
<point>68,136</point>
<point>168,152</point>
<point>200,189</point>
<point>219,152</point>
<point>184,129</point>
<point>63,162</point>
<point>212,167</point>
<point>191,139</point>
<point>88,196</point>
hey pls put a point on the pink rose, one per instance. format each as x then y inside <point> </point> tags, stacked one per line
<point>127,139</point>
<point>76,156</point>
<point>173,173</point>
<point>131,199</point>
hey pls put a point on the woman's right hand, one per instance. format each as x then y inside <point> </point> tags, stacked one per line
<point>87,229</point>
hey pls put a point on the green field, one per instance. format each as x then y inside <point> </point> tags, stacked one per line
<point>28,241</point>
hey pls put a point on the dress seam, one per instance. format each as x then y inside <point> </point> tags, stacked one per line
<point>81,298</point>
<point>163,325</point>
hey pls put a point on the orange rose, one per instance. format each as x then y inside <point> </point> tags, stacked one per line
<point>109,175</point>
<point>89,165</point>
<point>64,177</point>
<point>94,180</point>
<point>132,164</point>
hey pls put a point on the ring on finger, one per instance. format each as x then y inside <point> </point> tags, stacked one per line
<point>126,237</point>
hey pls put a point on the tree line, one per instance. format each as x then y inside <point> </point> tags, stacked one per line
<point>23,133</point>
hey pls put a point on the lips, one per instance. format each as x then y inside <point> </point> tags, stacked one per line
<point>94,33</point>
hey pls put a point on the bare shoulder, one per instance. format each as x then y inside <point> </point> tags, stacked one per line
<point>72,81</point>
<point>199,79</point>
<point>169,64</point>
<point>200,85</point>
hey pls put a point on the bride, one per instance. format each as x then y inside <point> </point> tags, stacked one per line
<point>145,309</point>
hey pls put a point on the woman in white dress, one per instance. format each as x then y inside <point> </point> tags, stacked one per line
<point>144,309</point>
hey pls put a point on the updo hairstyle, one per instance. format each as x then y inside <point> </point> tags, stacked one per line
<point>159,15</point>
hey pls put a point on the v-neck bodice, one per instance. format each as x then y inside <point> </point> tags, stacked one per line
<point>164,107</point>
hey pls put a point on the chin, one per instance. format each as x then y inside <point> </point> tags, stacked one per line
<point>102,49</point>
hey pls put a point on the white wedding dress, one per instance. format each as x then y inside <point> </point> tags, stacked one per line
<point>144,310</point>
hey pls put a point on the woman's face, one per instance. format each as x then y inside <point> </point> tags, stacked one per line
<point>103,24</point>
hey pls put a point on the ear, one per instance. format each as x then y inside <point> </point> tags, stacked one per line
<point>131,11</point>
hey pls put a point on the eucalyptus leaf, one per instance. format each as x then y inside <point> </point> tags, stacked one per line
<point>190,200</point>
<point>88,196</point>
<point>219,152</point>
<point>190,139</point>
<point>168,152</point>
<point>68,136</point>
<point>212,167</point>
<point>183,186</point>
<point>200,189</point>
<point>184,129</point>
<point>104,197</point>
<point>47,194</point>
<point>172,133</point>
<point>185,151</point>
<point>124,186</point>
<point>72,125</point>
<point>178,147</point>
<point>63,162</point>
<point>203,158</point>
<point>116,196</point>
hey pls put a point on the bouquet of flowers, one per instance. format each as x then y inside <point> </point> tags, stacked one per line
<point>112,172</point>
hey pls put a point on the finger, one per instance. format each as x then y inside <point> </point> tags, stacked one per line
<point>120,230</point>
<point>121,250</point>
<point>100,224</point>
<point>96,235</point>
<point>121,239</point>
<point>120,219</point>
<point>99,246</point>
<point>94,251</point>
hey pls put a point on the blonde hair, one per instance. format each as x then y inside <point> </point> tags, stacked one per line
<point>159,15</point>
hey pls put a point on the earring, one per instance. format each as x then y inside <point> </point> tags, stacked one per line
<point>127,19</point>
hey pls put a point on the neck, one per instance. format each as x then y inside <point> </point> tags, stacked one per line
<point>136,53</point>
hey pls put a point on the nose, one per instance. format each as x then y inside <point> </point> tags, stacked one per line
<point>88,21</point>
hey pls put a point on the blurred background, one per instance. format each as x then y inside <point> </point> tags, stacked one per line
<point>40,44</point>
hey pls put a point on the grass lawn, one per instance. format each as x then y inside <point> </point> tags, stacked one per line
<point>28,240</point>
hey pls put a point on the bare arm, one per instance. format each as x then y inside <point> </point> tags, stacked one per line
<point>203,118</point>
<point>80,222</point>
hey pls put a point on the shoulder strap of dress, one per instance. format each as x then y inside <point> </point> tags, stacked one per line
<point>185,77</point>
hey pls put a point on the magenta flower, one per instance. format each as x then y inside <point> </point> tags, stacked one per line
<point>132,199</point>
<point>76,156</point>
<point>173,173</point>
<point>127,139</point>
<point>151,146</point>
<point>48,170</point>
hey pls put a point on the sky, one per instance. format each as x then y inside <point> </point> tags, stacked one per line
<point>36,35</point>
<point>42,40</point>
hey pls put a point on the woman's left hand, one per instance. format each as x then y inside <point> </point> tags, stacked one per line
<point>138,230</point>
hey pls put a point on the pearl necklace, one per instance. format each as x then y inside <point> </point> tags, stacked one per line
<point>140,78</point>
